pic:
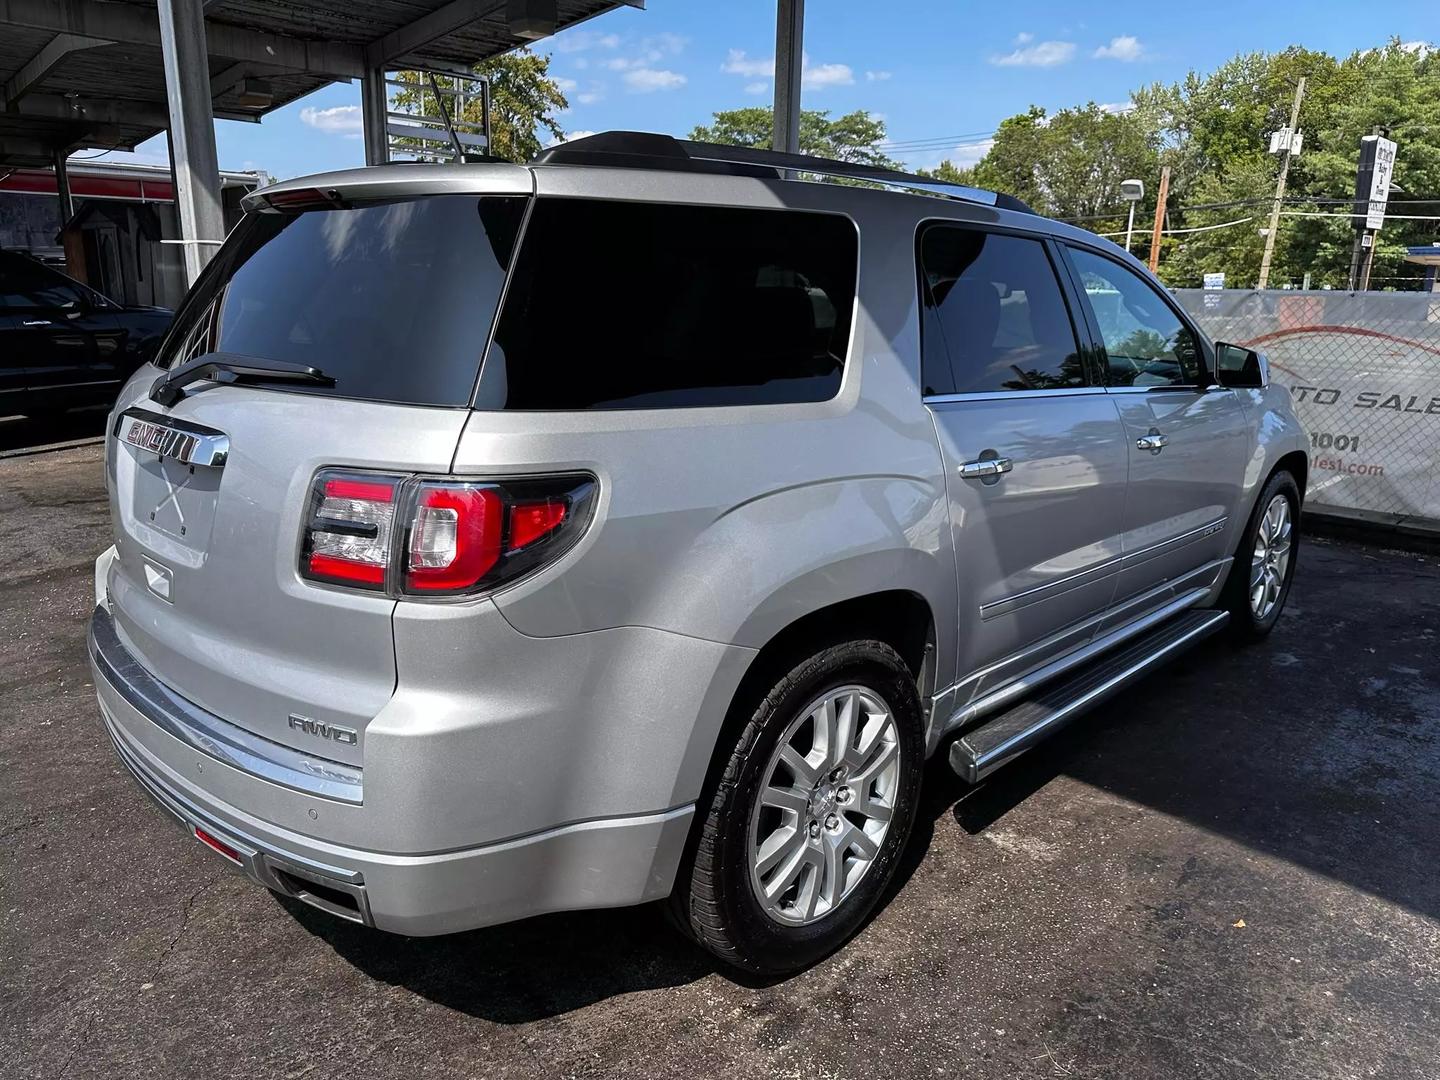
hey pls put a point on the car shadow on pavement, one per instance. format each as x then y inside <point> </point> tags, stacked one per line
<point>525,971</point>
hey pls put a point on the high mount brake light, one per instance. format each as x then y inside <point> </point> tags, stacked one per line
<point>422,536</point>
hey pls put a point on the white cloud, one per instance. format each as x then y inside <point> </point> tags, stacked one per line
<point>589,97</point>
<point>1041,54</point>
<point>1118,108</point>
<point>737,63</point>
<point>827,75</point>
<point>566,85</point>
<point>581,40</point>
<point>814,76</point>
<point>876,76</point>
<point>648,80</point>
<point>1418,48</point>
<point>622,63</point>
<point>339,120</point>
<point>1126,47</point>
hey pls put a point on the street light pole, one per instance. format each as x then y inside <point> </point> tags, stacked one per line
<point>1132,191</point>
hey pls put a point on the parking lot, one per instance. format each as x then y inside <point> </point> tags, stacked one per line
<point>1229,871</point>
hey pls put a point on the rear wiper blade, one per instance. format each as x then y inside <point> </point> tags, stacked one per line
<point>229,368</point>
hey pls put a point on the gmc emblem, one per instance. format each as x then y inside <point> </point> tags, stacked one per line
<point>321,730</point>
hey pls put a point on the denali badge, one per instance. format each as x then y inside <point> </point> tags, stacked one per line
<point>165,441</point>
<point>180,440</point>
<point>322,730</point>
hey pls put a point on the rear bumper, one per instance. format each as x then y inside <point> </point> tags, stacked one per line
<point>606,862</point>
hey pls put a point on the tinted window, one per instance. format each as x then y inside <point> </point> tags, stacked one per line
<point>25,283</point>
<point>642,306</point>
<point>394,300</point>
<point>995,316</point>
<point>1146,342</point>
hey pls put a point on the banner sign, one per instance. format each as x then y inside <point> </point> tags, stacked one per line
<point>1364,372</point>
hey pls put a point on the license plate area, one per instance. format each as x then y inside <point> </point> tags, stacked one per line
<point>175,470</point>
<point>175,498</point>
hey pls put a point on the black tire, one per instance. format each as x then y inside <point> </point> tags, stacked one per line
<point>714,901</point>
<point>1245,627</point>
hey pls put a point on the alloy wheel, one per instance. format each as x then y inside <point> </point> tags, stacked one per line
<point>1271,559</point>
<point>825,805</point>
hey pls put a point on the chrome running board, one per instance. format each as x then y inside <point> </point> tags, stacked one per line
<point>981,751</point>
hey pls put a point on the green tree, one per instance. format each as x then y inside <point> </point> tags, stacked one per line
<point>1068,165</point>
<point>950,173</point>
<point>524,103</point>
<point>1213,129</point>
<point>852,137</point>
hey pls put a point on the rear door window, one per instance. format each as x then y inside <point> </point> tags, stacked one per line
<point>628,305</point>
<point>394,300</point>
<point>995,318</point>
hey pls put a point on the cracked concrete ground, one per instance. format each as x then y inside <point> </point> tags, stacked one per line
<point>1230,871</point>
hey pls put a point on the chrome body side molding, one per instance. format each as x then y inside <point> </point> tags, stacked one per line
<point>998,685</point>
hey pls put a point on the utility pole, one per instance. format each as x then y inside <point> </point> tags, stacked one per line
<point>1280,185</point>
<point>1160,202</point>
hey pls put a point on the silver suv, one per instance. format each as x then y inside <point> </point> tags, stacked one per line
<point>495,539</point>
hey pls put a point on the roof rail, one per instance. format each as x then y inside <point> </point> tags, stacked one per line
<point>644,150</point>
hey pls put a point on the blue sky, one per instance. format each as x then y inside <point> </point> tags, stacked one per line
<point>943,72</point>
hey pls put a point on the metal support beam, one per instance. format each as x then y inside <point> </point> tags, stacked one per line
<point>192,133</point>
<point>374,103</point>
<point>789,60</point>
<point>62,188</point>
<point>41,64</point>
<point>428,28</point>
<point>81,110</point>
<point>133,24</point>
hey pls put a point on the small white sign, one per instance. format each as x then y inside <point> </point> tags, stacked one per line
<point>1214,281</point>
<point>1380,183</point>
<point>1285,139</point>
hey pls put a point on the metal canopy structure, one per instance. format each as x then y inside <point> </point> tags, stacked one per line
<point>109,74</point>
<point>79,74</point>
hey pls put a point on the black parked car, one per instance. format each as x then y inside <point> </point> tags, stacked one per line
<point>62,344</point>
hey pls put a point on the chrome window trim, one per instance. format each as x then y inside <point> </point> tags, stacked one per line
<point>220,739</point>
<point>1010,395</point>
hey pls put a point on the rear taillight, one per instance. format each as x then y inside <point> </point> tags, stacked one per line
<point>418,536</point>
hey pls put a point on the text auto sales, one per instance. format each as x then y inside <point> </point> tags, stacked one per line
<point>1368,399</point>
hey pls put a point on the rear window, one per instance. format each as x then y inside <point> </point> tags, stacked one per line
<point>394,300</point>
<point>619,305</point>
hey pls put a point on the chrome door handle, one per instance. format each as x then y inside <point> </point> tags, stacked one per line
<point>984,467</point>
<point>36,322</point>
<point>1154,442</point>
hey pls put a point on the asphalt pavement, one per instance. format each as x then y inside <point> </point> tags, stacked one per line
<point>1229,871</point>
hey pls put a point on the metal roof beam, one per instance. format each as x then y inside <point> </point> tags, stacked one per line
<point>133,25</point>
<point>416,35</point>
<point>90,111</point>
<point>40,65</point>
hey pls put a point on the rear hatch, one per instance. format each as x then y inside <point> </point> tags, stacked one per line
<point>393,299</point>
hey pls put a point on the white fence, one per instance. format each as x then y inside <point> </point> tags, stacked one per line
<point>1364,372</point>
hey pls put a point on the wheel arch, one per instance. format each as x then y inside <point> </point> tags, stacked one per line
<point>901,618</point>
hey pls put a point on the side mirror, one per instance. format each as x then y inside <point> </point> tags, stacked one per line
<point>1240,368</point>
